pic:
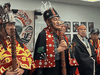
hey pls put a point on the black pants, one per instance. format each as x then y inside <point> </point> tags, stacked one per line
<point>97,70</point>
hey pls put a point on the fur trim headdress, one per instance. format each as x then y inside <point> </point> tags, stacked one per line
<point>48,11</point>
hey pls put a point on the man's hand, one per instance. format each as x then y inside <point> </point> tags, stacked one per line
<point>62,46</point>
<point>18,71</point>
<point>10,73</point>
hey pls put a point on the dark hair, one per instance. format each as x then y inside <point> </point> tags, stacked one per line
<point>94,30</point>
<point>19,40</point>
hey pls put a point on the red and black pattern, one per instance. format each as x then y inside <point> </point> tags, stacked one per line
<point>50,13</point>
<point>49,62</point>
<point>97,51</point>
<point>24,57</point>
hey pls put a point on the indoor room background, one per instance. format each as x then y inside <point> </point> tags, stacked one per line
<point>68,12</point>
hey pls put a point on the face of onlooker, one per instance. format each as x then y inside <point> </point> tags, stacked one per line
<point>94,36</point>
<point>55,22</point>
<point>9,26</point>
<point>82,32</point>
<point>63,28</point>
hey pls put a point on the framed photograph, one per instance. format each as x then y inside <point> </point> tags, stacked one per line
<point>69,37</point>
<point>90,25</point>
<point>83,23</point>
<point>75,26</point>
<point>68,26</point>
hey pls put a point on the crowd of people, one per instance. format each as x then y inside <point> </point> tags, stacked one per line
<point>53,55</point>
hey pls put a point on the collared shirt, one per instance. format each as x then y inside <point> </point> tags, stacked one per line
<point>85,41</point>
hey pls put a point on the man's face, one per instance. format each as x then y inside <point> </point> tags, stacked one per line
<point>63,28</point>
<point>8,27</point>
<point>94,36</point>
<point>82,32</point>
<point>55,22</point>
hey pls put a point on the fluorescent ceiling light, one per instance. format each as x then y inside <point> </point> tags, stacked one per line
<point>91,0</point>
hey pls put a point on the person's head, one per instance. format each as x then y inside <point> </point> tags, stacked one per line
<point>62,27</point>
<point>51,17</point>
<point>53,23</point>
<point>8,27</point>
<point>94,34</point>
<point>7,21</point>
<point>82,30</point>
<point>7,24</point>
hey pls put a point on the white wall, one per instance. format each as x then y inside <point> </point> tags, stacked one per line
<point>67,12</point>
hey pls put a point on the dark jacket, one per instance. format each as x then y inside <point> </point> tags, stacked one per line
<point>86,63</point>
<point>41,41</point>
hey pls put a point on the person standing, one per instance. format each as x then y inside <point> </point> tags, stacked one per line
<point>48,48</point>
<point>84,52</point>
<point>95,41</point>
<point>23,61</point>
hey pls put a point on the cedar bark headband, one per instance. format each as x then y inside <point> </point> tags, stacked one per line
<point>81,26</point>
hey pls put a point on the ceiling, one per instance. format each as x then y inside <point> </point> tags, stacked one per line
<point>77,2</point>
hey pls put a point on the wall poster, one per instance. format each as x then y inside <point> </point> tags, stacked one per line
<point>68,26</point>
<point>25,27</point>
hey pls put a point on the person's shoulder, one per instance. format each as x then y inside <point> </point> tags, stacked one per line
<point>89,39</point>
<point>74,37</point>
<point>42,32</point>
